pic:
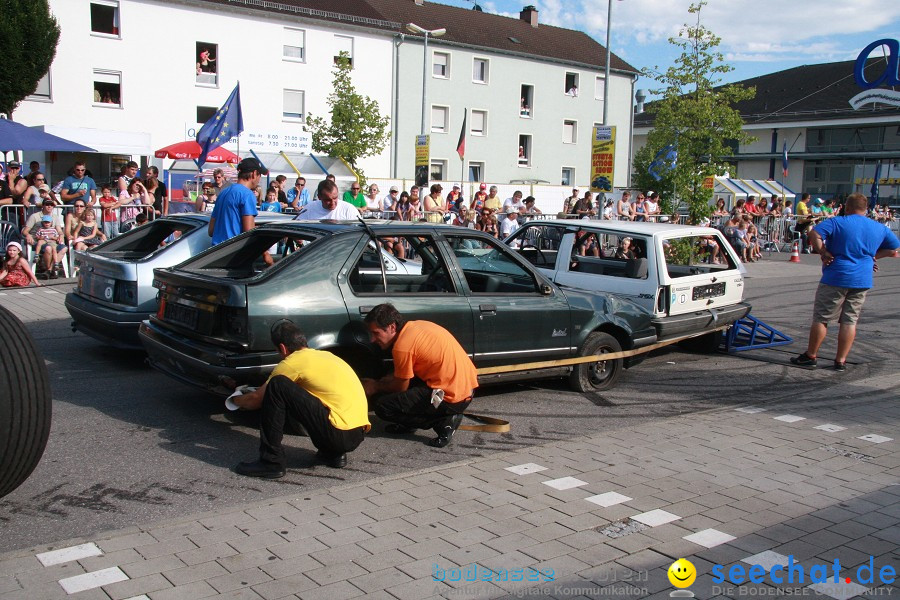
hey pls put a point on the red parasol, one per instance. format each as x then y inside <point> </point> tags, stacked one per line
<point>191,149</point>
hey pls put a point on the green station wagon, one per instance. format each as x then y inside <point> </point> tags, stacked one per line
<point>217,309</point>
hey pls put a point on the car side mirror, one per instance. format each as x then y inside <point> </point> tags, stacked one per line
<point>546,290</point>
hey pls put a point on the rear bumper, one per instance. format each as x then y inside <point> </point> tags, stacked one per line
<point>700,321</point>
<point>114,327</point>
<point>200,366</point>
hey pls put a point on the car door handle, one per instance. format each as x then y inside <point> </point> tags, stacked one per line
<point>488,308</point>
<point>364,310</point>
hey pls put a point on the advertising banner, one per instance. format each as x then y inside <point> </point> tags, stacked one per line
<point>422,159</point>
<point>603,158</point>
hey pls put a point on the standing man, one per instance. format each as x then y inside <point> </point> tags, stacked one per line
<point>569,202</point>
<point>235,210</point>
<point>78,185</point>
<point>354,197</point>
<point>849,247</point>
<point>433,380</point>
<point>298,196</point>
<point>309,390</point>
<point>128,172</point>
<point>493,201</point>
<point>328,206</point>
<point>15,182</point>
<point>219,181</point>
<point>514,204</point>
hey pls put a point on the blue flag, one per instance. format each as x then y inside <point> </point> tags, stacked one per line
<point>784,160</point>
<point>227,122</point>
<point>664,161</point>
<point>875,183</point>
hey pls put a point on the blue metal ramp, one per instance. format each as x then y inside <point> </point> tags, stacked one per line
<point>750,333</point>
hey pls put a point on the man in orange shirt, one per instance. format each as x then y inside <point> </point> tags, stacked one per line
<point>433,380</point>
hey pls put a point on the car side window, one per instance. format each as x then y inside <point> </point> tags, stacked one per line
<point>608,254</point>
<point>695,255</point>
<point>489,267</point>
<point>400,265</point>
<point>538,244</point>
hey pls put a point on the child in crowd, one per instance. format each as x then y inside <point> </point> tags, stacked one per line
<point>15,271</point>
<point>271,203</point>
<point>48,236</point>
<point>110,204</point>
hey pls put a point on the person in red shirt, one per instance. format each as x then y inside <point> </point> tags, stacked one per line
<point>433,380</point>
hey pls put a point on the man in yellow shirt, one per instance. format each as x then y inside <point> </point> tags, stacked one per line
<point>433,380</point>
<point>309,390</point>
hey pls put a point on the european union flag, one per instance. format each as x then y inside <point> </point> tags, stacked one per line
<point>664,161</point>
<point>227,122</point>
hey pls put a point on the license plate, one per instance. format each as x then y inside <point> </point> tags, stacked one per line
<point>181,314</point>
<point>99,287</point>
<point>713,290</point>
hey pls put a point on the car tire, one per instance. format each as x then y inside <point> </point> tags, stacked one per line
<point>703,344</point>
<point>597,376</point>
<point>25,404</point>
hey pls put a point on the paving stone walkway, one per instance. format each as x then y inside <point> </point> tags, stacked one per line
<point>767,489</point>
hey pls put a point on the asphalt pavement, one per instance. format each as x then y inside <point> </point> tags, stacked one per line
<point>132,453</point>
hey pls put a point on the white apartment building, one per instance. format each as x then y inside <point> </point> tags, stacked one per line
<point>133,76</point>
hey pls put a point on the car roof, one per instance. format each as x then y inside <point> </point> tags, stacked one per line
<point>629,227</point>
<point>264,217</point>
<point>374,224</point>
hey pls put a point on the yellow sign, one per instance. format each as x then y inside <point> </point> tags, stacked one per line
<point>603,158</point>
<point>709,183</point>
<point>882,181</point>
<point>422,159</point>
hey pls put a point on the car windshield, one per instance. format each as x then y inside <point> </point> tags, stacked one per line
<point>144,240</point>
<point>250,255</point>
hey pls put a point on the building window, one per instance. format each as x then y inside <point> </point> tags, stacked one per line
<point>207,63</point>
<point>42,92</point>
<point>476,171</point>
<point>524,150</point>
<point>571,84</point>
<point>294,47</point>
<point>479,122</point>
<point>205,113</point>
<point>107,88</point>
<point>438,170</point>
<point>570,132</point>
<point>105,17</point>
<point>293,105</point>
<point>480,70</point>
<point>440,117</point>
<point>525,101</point>
<point>343,43</point>
<point>568,176</point>
<point>440,65</point>
<point>599,88</point>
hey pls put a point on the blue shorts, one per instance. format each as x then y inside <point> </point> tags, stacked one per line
<point>59,246</point>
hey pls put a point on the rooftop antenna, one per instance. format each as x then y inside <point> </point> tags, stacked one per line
<point>475,6</point>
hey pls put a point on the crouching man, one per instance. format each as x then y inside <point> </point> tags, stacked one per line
<point>309,390</point>
<point>433,379</point>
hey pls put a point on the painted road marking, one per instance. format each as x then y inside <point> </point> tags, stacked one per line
<point>62,555</point>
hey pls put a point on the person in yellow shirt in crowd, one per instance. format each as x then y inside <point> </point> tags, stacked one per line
<point>312,392</point>
<point>433,380</point>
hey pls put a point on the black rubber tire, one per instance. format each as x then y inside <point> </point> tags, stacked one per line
<point>703,344</point>
<point>598,376</point>
<point>25,404</point>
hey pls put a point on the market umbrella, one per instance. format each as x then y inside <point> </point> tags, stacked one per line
<point>191,149</point>
<point>15,136</point>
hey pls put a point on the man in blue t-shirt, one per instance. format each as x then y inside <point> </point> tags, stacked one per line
<point>235,210</point>
<point>849,246</point>
<point>78,185</point>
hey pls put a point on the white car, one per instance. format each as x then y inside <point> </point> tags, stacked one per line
<point>688,277</point>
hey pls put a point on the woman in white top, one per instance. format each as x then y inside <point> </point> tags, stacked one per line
<point>651,206</point>
<point>373,202</point>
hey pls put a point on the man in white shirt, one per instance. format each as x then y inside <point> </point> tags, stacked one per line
<point>329,206</point>
<point>514,204</point>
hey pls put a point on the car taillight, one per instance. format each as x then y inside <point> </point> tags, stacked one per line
<point>126,293</point>
<point>236,321</point>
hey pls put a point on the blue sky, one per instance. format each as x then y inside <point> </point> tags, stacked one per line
<point>758,36</point>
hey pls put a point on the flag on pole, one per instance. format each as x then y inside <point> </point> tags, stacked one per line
<point>664,161</point>
<point>875,185</point>
<point>784,159</point>
<point>227,122</point>
<point>461,146</point>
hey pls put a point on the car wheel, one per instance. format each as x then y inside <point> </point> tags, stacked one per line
<point>601,375</point>
<point>703,344</point>
<point>25,404</point>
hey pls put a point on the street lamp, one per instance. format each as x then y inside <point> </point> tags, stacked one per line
<point>413,28</point>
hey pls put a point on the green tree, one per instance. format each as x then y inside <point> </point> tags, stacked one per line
<point>696,115</point>
<point>357,128</point>
<point>28,38</point>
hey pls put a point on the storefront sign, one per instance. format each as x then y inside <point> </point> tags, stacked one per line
<point>890,76</point>
<point>603,159</point>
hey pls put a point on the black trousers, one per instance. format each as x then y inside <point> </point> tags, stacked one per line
<point>413,407</point>
<point>286,404</point>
